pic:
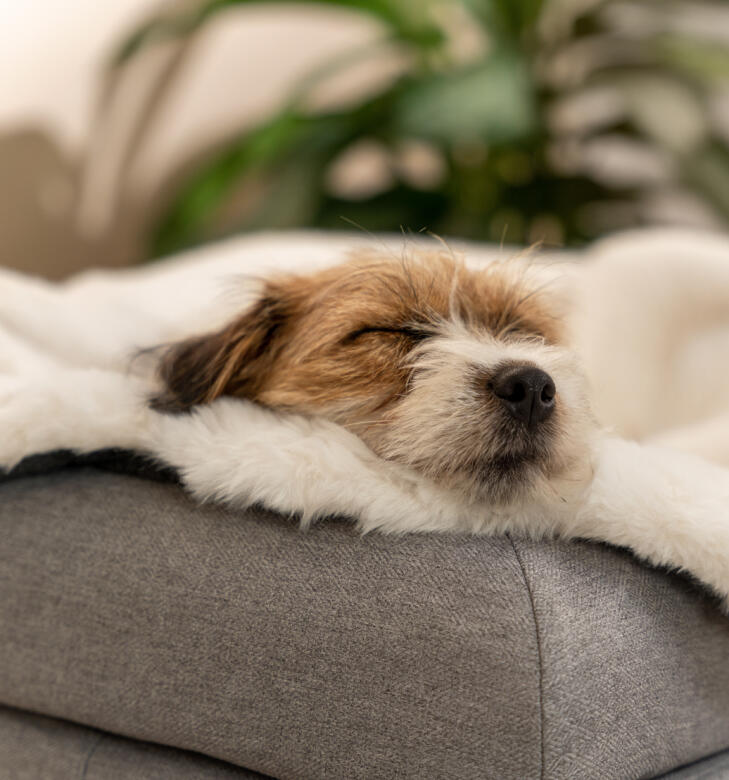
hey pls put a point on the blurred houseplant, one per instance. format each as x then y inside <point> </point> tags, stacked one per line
<point>515,120</point>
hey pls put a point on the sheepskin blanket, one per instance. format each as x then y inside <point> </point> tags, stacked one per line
<point>650,318</point>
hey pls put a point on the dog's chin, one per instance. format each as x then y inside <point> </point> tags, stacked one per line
<point>499,469</point>
<point>498,481</point>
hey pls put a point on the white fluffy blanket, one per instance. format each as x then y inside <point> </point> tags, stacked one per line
<point>651,320</point>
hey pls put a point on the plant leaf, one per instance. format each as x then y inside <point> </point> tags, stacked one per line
<point>492,101</point>
<point>704,60</point>
<point>289,145</point>
<point>510,18</point>
<point>708,172</point>
<point>406,20</point>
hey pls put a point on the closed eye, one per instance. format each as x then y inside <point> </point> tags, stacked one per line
<point>520,331</point>
<point>413,333</point>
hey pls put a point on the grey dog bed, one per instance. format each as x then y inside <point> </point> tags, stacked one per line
<point>144,635</point>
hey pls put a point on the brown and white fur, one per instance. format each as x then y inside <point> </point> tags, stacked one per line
<point>381,389</point>
<point>410,354</point>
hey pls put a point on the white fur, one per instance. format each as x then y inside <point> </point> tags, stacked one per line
<point>65,382</point>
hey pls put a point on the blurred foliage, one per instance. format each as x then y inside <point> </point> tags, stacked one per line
<point>533,120</point>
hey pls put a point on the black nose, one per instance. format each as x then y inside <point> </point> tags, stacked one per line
<point>527,392</point>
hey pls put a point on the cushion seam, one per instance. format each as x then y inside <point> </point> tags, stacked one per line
<point>89,755</point>
<point>540,666</point>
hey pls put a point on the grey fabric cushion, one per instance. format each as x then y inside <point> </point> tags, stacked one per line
<point>714,767</point>
<point>125,606</point>
<point>33,747</point>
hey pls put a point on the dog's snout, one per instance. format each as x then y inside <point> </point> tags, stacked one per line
<point>527,392</point>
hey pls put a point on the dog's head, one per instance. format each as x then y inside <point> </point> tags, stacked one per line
<point>460,374</point>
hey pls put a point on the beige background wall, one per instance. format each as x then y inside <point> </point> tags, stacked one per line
<point>76,191</point>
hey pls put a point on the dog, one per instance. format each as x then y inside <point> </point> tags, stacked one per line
<point>410,392</point>
<point>465,378</point>
<point>462,375</point>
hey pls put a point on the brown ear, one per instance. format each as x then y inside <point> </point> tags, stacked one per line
<point>232,361</point>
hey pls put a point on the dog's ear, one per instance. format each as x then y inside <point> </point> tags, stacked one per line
<point>233,361</point>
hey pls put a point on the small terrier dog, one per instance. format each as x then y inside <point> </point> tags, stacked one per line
<point>463,375</point>
<point>410,394</point>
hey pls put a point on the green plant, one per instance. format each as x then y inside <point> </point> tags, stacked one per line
<point>569,118</point>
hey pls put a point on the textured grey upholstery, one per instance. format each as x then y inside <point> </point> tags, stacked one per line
<point>126,607</point>
<point>33,747</point>
<point>714,767</point>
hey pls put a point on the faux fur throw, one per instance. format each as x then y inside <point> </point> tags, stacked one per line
<point>650,319</point>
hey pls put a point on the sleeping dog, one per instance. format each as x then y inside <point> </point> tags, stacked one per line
<point>461,375</point>
<point>411,393</point>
